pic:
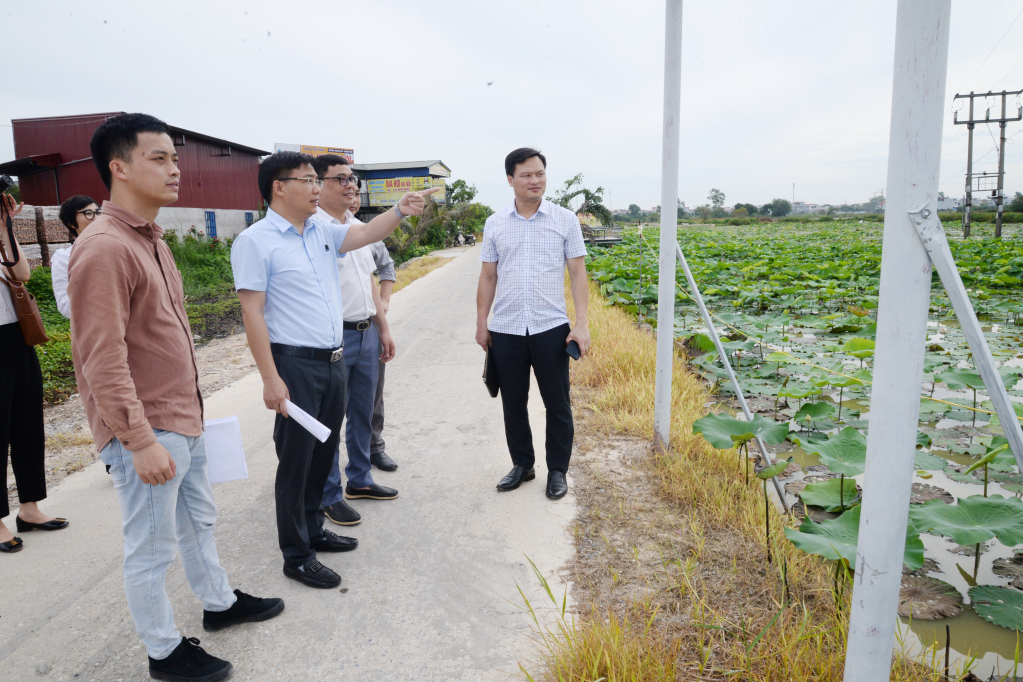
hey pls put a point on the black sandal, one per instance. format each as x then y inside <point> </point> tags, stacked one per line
<point>15,545</point>
<point>52,524</point>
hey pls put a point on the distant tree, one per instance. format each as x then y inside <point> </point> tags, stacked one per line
<point>779,207</point>
<point>681,209</point>
<point>634,210</point>
<point>941,196</point>
<point>751,209</point>
<point>593,200</point>
<point>1016,205</point>
<point>461,192</point>
<point>740,212</point>
<point>703,211</point>
<point>15,192</point>
<point>716,198</point>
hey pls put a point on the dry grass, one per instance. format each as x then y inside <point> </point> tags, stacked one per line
<point>671,577</point>
<point>416,269</point>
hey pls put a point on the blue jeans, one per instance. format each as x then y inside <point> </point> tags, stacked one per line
<point>160,521</point>
<point>362,358</point>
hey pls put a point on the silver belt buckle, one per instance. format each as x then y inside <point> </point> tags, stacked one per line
<point>362,326</point>
<point>337,354</point>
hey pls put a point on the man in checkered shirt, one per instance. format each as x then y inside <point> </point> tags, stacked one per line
<point>526,248</point>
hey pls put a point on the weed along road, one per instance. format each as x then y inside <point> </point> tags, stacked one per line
<point>430,594</point>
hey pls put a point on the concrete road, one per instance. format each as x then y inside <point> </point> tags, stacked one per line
<point>429,595</point>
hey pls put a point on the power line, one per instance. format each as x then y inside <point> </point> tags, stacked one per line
<point>992,51</point>
<point>1010,71</point>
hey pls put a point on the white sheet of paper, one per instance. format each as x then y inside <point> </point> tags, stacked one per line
<point>224,450</point>
<point>307,421</point>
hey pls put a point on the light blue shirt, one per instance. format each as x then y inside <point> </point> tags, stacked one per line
<point>298,272</point>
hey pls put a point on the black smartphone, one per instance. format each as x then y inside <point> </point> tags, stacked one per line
<point>573,350</point>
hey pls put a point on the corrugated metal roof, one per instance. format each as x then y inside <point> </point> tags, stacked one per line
<point>48,121</point>
<point>397,166</point>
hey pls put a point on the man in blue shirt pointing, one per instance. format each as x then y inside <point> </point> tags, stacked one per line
<point>286,275</point>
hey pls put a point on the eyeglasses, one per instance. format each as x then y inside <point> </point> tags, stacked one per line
<point>91,213</point>
<point>308,181</point>
<point>345,179</point>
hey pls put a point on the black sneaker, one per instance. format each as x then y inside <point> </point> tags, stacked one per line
<point>246,609</point>
<point>189,662</point>
<point>342,514</point>
<point>313,574</point>
<point>373,492</point>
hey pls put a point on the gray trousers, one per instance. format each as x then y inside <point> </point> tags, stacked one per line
<point>376,444</point>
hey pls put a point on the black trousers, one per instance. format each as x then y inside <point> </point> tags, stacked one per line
<point>319,388</point>
<point>545,353</point>
<point>21,417</point>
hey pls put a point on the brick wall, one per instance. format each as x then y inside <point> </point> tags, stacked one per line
<point>25,225</point>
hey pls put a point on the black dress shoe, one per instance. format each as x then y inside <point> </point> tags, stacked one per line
<point>334,543</point>
<point>313,574</point>
<point>381,461</point>
<point>245,609</point>
<point>373,492</point>
<point>515,478</point>
<point>189,663</point>
<point>342,514</point>
<point>52,524</point>
<point>15,545</point>
<point>557,486</point>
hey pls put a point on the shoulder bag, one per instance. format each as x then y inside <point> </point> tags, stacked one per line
<point>24,302</point>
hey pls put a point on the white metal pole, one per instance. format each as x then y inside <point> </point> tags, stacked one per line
<point>914,155</point>
<point>669,224</point>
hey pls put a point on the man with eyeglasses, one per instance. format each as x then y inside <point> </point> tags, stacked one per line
<point>285,272</point>
<point>365,332</point>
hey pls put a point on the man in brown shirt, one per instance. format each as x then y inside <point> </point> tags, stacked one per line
<point>137,376</point>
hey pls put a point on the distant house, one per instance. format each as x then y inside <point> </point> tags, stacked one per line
<point>219,195</point>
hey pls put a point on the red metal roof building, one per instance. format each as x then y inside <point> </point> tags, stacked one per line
<point>53,162</point>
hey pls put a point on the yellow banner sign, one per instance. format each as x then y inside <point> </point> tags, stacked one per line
<point>387,191</point>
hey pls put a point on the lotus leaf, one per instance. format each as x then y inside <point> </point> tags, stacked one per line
<point>999,605</point>
<point>1010,567</point>
<point>724,431</point>
<point>780,357</point>
<point>844,452</point>
<point>826,494</point>
<point>774,469</point>
<point>928,462</point>
<point>836,539</point>
<point>859,348</point>
<point>973,519</point>
<point>928,599</point>
<point>986,459</point>
<point>922,493</point>
<point>814,411</point>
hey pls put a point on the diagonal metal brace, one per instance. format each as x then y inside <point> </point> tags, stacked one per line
<point>932,235</point>
<point>768,461</point>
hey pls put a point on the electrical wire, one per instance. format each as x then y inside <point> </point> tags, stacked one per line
<point>963,89</point>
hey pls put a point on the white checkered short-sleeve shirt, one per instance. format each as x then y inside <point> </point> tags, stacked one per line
<point>531,255</point>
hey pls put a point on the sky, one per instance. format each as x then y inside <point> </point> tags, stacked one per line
<point>774,94</point>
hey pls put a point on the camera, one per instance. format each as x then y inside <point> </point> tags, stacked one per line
<point>5,183</point>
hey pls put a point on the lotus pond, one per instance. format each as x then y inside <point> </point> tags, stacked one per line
<point>795,304</point>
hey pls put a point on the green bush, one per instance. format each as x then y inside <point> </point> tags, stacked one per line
<point>205,264</point>
<point>1007,217</point>
<point>55,356</point>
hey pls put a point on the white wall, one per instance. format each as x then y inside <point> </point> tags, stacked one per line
<point>230,222</point>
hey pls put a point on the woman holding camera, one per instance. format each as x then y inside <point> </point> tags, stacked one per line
<point>76,213</point>
<point>21,403</point>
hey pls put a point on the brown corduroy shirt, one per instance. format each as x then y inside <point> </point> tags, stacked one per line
<point>130,337</point>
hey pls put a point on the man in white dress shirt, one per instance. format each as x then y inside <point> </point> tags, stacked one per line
<point>526,248</point>
<point>367,342</point>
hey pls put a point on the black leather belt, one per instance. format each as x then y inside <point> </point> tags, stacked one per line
<point>320,354</point>
<point>361,325</point>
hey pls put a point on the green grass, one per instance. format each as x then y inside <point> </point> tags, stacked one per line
<point>211,305</point>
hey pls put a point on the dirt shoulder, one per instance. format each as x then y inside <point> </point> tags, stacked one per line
<point>69,444</point>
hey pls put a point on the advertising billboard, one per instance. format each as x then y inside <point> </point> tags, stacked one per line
<point>387,191</point>
<point>313,150</point>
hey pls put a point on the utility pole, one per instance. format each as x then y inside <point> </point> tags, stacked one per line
<point>1000,190</point>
